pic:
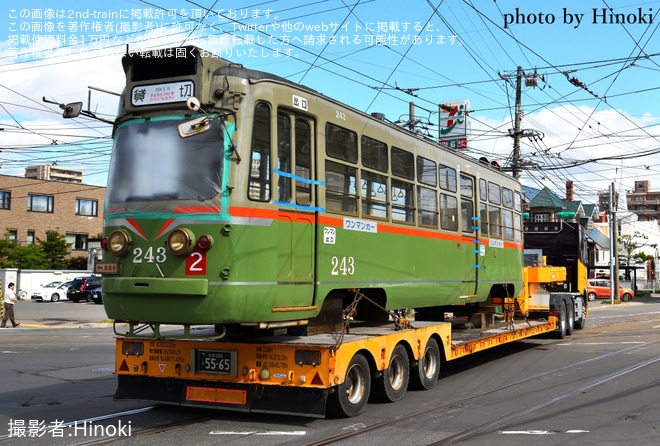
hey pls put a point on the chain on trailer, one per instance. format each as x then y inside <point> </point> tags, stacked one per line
<point>400,322</point>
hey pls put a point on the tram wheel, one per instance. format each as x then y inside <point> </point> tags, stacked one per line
<point>352,396</point>
<point>391,386</point>
<point>425,374</point>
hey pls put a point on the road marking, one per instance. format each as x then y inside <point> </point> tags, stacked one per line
<point>273,433</point>
<point>542,432</point>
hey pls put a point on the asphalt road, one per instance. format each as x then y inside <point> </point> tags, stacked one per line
<point>598,387</point>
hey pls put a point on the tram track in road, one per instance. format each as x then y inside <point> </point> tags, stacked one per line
<point>513,415</point>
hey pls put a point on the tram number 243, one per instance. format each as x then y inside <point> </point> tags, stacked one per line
<point>195,261</point>
<point>343,266</point>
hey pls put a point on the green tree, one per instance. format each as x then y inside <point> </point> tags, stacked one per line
<point>78,263</point>
<point>28,257</point>
<point>55,249</point>
<point>629,246</point>
<point>7,246</point>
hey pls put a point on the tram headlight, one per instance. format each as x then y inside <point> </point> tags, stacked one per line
<point>179,242</point>
<point>118,242</point>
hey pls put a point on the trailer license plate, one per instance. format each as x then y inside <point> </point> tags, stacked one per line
<point>216,361</point>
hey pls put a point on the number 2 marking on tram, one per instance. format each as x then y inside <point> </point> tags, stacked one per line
<point>196,263</point>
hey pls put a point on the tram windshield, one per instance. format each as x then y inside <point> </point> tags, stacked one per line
<point>152,163</point>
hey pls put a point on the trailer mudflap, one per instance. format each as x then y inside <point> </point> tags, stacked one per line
<point>308,402</point>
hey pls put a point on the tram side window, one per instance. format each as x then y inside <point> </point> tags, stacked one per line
<point>448,212</point>
<point>426,172</point>
<point>494,221</point>
<point>517,202</point>
<point>340,192</point>
<point>403,163</point>
<point>374,154</point>
<point>259,186</point>
<point>403,201</point>
<point>427,205</point>
<point>447,178</point>
<point>494,195</point>
<point>517,227</point>
<point>483,190</point>
<point>467,204</point>
<point>483,216</point>
<point>374,194</point>
<point>507,198</point>
<point>341,143</point>
<point>284,157</point>
<point>303,162</point>
<point>507,222</point>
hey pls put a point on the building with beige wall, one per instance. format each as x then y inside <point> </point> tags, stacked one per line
<point>30,207</point>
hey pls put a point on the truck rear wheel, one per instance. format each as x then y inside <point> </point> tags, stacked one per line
<point>582,321</point>
<point>391,386</point>
<point>352,396</point>
<point>561,323</point>
<point>425,374</point>
<point>570,318</point>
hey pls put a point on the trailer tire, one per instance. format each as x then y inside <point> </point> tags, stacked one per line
<point>561,323</point>
<point>425,374</point>
<point>351,397</point>
<point>570,318</point>
<point>391,386</point>
<point>582,322</point>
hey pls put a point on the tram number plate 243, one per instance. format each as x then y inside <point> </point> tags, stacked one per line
<point>216,361</point>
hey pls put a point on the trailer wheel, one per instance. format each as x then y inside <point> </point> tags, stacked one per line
<point>561,324</point>
<point>425,374</point>
<point>351,396</point>
<point>580,323</point>
<point>570,318</point>
<point>391,386</point>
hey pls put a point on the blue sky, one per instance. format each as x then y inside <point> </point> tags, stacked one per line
<point>592,117</point>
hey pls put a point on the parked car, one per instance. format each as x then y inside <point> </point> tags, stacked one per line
<point>600,289</point>
<point>96,295</point>
<point>80,287</point>
<point>53,291</point>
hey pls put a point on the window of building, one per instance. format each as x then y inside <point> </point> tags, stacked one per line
<point>12,234</point>
<point>543,217</point>
<point>77,241</point>
<point>40,203</point>
<point>30,237</point>
<point>5,200</point>
<point>88,208</point>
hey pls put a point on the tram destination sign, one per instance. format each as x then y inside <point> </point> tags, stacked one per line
<point>162,93</point>
<point>216,361</point>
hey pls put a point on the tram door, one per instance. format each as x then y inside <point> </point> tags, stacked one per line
<point>296,200</point>
<point>471,260</point>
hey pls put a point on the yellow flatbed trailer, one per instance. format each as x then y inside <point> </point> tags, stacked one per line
<point>302,375</point>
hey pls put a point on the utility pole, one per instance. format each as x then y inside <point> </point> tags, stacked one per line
<point>614,247</point>
<point>516,127</point>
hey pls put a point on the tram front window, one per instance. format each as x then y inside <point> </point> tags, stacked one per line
<point>151,162</point>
